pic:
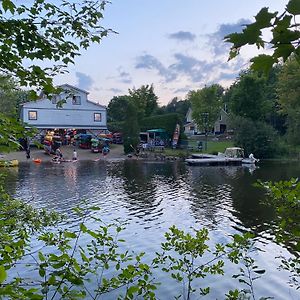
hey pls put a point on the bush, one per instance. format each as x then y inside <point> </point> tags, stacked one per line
<point>255,137</point>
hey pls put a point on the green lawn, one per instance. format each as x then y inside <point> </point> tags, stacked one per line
<point>212,146</point>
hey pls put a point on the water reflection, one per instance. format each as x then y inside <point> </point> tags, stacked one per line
<point>152,196</point>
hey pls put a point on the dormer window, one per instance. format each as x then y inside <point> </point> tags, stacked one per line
<point>76,100</point>
<point>55,99</point>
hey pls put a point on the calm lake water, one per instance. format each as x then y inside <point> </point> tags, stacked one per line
<point>152,196</point>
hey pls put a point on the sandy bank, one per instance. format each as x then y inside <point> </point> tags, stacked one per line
<point>116,152</point>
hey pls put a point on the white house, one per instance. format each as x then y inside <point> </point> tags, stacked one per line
<point>220,126</point>
<point>76,113</point>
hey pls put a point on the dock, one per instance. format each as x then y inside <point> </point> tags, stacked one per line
<point>214,161</point>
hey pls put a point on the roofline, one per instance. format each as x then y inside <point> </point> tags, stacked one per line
<point>103,106</point>
<point>73,87</point>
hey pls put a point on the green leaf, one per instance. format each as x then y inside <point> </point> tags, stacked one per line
<point>260,271</point>
<point>94,208</point>
<point>41,256</point>
<point>42,272</point>
<point>8,5</point>
<point>69,234</point>
<point>3,274</point>
<point>52,280</point>
<point>293,7</point>
<point>263,63</point>
<point>263,18</point>
<point>8,249</point>
<point>284,51</point>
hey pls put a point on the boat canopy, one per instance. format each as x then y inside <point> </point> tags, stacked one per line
<point>234,152</point>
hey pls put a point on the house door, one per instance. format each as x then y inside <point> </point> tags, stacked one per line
<point>222,128</point>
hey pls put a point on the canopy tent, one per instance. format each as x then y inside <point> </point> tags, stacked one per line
<point>158,133</point>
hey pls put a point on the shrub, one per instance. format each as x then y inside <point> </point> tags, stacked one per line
<point>255,137</point>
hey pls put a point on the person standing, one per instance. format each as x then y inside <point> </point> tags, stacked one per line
<point>27,147</point>
<point>74,155</point>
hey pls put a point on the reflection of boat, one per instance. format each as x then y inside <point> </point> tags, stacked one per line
<point>9,163</point>
<point>250,167</point>
<point>231,156</point>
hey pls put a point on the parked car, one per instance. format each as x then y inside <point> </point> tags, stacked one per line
<point>85,141</point>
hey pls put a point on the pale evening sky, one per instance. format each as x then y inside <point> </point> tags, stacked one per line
<point>174,44</point>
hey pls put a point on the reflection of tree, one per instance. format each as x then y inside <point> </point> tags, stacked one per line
<point>210,193</point>
<point>141,182</point>
<point>247,198</point>
<point>61,186</point>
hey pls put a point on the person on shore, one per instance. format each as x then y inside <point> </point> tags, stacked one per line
<point>105,150</point>
<point>74,155</point>
<point>27,147</point>
<point>59,154</point>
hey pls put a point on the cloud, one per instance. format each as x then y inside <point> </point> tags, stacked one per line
<point>186,67</point>
<point>85,82</point>
<point>196,70</point>
<point>227,76</point>
<point>115,90</point>
<point>149,62</point>
<point>182,36</point>
<point>216,39</point>
<point>124,77</point>
<point>183,90</point>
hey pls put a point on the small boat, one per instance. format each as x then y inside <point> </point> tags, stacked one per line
<point>231,156</point>
<point>9,163</point>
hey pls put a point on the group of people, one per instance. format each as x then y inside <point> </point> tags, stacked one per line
<point>58,157</point>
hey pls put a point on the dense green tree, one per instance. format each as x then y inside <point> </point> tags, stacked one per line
<point>285,34</point>
<point>176,106</point>
<point>289,98</point>
<point>11,96</point>
<point>116,108</point>
<point>48,35</point>
<point>144,100</point>
<point>247,97</point>
<point>255,137</point>
<point>165,121</point>
<point>131,129</point>
<point>206,104</point>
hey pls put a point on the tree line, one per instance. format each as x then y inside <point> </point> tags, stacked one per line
<point>263,109</point>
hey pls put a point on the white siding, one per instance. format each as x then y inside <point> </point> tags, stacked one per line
<point>68,116</point>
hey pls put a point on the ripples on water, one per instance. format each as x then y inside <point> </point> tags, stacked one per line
<point>152,196</point>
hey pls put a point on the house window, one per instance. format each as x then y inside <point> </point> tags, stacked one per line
<point>32,115</point>
<point>55,99</point>
<point>97,117</point>
<point>192,127</point>
<point>220,118</point>
<point>76,100</point>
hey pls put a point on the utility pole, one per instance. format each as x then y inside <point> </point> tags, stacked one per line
<point>205,120</point>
